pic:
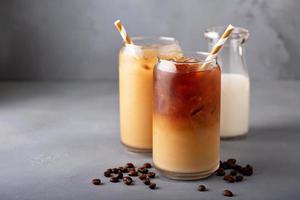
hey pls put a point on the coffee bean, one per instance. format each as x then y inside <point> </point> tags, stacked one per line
<point>237,168</point>
<point>115,170</point>
<point>147,165</point>
<point>151,174</point>
<point>221,164</point>
<point>249,170</point>
<point>123,169</point>
<point>133,173</point>
<point>110,170</point>
<point>231,165</point>
<point>246,171</point>
<point>143,176</point>
<point>249,167</point>
<point>226,177</point>
<point>107,173</point>
<point>131,169</point>
<point>229,178</point>
<point>220,172</point>
<point>239,178</point>
<point>227,193</point>
<point>143,170</point>
<point>152,186</point>
<point>96,181</point>
<point>127,180</point>
<point>129,165</point>
<point>120,175</point>
<point>231,161</point>
<point>114,179</point>
<point>146,181</point>
<point>225,165</point>
<point>201,188</point>
<point>233,173</point>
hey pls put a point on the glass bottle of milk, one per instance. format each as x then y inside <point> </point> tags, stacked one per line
<point>235,84</point>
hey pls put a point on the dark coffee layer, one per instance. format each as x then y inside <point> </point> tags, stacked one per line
<point>189,94</point>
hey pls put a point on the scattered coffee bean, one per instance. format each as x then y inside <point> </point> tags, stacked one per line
<point>221,164</point>
<point>227,193</point>
<point>130,169</point>
<point>129,165</point>
<point>226,177</point>
<point>247,171</point>
<point>146,181</point>
<point>239,178</point>
<point>143,170</point>
<point>127,180</point>
<point>120,175</point>
<point>143,176</point>
<point>237,168</point>
<point>107,173</point>
<point>231,161</point>
<point>114,179</point>
<point>123,169</point>
<point>152,186</point>
<point>96,181</point>
<point>151,174</point>
<point>233,173</point>
<point>249,167</point>
<point>132,173</point>
<point>220,172</point>
<point>229,178</point>
<point>225,165</point>
<point>147,165</point>
<point>201,188</point>
<point>231,166</point>
<point>115,170</point>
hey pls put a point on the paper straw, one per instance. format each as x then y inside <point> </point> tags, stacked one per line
<point>123,33</point>
<point>218,46</point>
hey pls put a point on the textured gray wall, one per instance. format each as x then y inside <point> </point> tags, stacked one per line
<point>76,39</point>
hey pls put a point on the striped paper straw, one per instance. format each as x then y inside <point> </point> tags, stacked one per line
<point>218,46</point>
<point>122,31</point>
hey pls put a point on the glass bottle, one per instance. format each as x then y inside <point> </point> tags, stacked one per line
<point>235,83</point>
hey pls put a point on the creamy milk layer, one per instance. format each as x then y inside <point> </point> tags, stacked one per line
<point>234,105</point>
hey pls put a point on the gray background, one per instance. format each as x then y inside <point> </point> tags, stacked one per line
<point>76,40</point>
<point>56,137</point>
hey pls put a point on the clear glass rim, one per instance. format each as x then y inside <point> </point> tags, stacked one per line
<point>160,41</point>
<point>216,31</point>
<point>192,54</point>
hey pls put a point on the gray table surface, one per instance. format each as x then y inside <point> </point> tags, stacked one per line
<point>55,137</point>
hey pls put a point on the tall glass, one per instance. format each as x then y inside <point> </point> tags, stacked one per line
<point>235,89</point>
<point>186,118</point>
<point>136,63</point>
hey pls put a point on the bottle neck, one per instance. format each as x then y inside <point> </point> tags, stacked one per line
<point>231,58</point>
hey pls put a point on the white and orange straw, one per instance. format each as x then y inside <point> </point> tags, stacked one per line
<point>218,46</point>
<point>123,32</point>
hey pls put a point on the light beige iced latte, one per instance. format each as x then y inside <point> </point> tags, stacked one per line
<point>136,63</point>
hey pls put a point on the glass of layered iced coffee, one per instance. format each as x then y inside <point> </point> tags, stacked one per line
<point>186,116</point>
<point>136,63</point>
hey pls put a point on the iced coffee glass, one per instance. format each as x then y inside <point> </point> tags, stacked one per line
<point>136,63</point>
<point>186,117</point>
